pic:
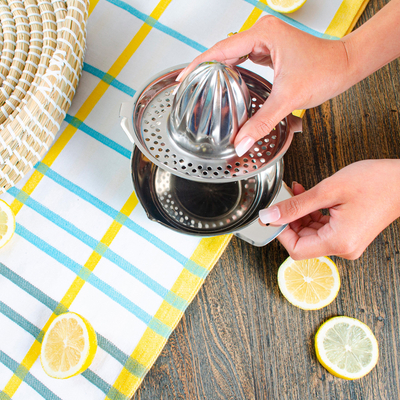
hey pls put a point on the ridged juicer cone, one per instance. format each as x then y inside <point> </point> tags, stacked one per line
<point>209,107</point>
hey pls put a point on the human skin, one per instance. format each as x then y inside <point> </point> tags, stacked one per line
<point>362,198</point>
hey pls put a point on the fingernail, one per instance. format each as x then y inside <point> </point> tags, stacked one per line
<point>294,183</point>
<point>244,145</point>
<point>269,215</point>
<point>178,78</point>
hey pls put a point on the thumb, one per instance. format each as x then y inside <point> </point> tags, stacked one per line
<point>261,123</point>
<point>298,206</point>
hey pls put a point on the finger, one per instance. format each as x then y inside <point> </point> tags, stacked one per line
<point>319,197</point>
<point>288,238</point>
<point>315,225</point>
<point>276,108</point>
<point>315,216</point>
<point>300,226</point>
<point>229,51</point>
<point>297,225</point>
<point>309,246</point>
<point>303,222</point>
<point>297,188</point>
<point>307,231</point>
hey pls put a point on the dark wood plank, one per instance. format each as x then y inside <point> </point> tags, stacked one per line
<point>240,339</point>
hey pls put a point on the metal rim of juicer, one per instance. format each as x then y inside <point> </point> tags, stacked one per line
<point>146,124</point>
<point>202,208</point>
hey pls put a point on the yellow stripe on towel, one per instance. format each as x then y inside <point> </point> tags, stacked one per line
<point>252,18</point>
<point>186,286</point>
<point>34,351</point>
<point>346,17</point>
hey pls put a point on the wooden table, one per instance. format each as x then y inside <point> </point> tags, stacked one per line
<point>240,339</point>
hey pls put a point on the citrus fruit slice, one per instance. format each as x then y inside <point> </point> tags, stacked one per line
<point>7,223</point>
<point>346,347</point>
<point>285,6</point>
<point>309,284</point>
<point>68,346</point>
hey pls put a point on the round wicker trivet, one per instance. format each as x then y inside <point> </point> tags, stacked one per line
<point>42,45</point>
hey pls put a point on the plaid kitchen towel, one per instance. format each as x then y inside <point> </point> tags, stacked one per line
<point>82,241</point>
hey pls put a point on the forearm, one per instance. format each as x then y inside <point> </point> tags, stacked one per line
<point>375,43</point>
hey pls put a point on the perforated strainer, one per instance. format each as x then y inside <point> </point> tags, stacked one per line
<point>145,121</point>
<point>202,208</point>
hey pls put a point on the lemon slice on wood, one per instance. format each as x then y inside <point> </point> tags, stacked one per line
<point>68,346</point>
<point>346,347</point>
<point>7,223</point>
<point>309,284</point>
<point>285,6</point>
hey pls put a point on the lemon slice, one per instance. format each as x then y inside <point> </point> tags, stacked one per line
<point>7,223</point>
<point>68,346</point>
<point>346,347</point>
<point>285,6</point>
<point>309,284</point>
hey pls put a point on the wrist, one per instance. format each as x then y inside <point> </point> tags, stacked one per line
<point>374,44</point>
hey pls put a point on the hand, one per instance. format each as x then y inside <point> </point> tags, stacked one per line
<point>362,199</point>
<point>307,71</point>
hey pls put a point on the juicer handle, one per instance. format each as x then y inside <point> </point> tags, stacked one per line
<point>259,235</point>
<point>124,112</point>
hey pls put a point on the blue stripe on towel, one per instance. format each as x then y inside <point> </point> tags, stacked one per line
<point>133,226</point>
<point>91,278</point>
<point>28,287</point>
<point>83,194</point>
<point>161,27</point>
<point>104,76</point>
<point>289,20</point>
<point>19,320</point>
<point>27,377</point>
<point>98,136</point>
<point>105,252</point>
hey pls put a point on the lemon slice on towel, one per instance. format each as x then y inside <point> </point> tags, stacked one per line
<point>285,6</point>
<point>309,284</point>
<point>7,223</point>
<point>68,346</point>
<point>346,347</point>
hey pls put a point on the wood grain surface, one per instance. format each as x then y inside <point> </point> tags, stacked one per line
<point>240,339</point>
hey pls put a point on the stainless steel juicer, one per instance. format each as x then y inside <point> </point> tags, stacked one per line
<point>185,171</point>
